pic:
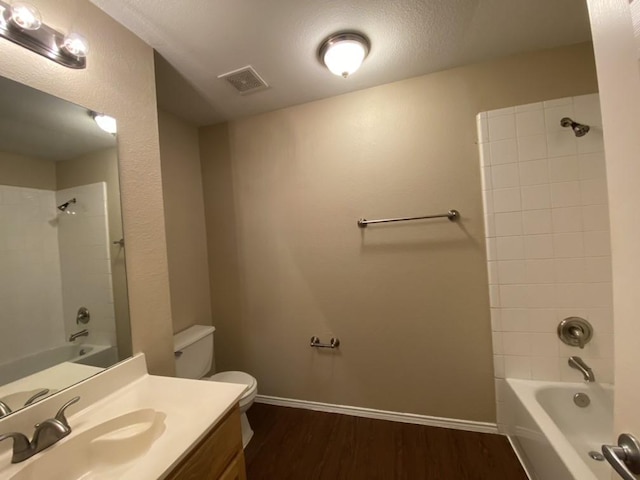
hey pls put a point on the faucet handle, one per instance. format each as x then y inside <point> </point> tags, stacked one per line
<point>4,409</point>
<point>21,446</point>
<point>60,415</point>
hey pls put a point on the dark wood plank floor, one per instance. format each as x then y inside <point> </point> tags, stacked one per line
<point>295,444</point>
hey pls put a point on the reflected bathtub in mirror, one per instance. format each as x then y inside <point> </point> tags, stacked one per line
<point>60,258</point>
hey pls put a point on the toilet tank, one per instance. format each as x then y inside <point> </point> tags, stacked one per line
<point>193,349</point>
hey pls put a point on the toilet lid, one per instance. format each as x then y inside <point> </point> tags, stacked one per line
<point>240,378</point>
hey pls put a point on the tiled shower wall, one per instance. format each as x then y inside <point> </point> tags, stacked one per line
<point>30,301</point>
<point>85,262</point>
<point>548,244</point>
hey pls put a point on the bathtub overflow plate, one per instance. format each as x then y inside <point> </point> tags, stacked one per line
<point>597,456</point>
<point>581,399</point>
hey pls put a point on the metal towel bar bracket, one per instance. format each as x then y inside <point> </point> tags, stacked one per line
<point>333,343</point>
<point>452,215</point>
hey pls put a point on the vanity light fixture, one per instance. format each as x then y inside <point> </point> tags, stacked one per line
<point>21,23</point>
<point>343,53</point>
<point>105,122</point>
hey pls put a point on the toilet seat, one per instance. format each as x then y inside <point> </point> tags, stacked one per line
<point>240,378</point>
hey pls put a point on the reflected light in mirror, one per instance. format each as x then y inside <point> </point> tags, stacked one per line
<point>25,16</point>
<point>106,123</point>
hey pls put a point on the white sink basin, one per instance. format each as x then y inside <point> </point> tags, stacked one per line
<point>102,452</point>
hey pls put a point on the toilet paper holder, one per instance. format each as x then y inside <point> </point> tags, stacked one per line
<point>333,343</point>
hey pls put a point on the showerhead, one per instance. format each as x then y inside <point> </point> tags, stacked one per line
<point>63,207</point>
<point>579,129</point>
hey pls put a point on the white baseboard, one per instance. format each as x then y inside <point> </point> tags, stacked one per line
<point>469,425</point>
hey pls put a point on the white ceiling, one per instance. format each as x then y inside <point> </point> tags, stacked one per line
<point>201,39</point>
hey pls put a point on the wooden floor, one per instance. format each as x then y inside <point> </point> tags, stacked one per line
<point>297,444</point>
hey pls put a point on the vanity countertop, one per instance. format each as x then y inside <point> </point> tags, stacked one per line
<point>190,409</point>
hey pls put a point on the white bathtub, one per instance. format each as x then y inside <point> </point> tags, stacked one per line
<point>36,362</point>
<point>552,435</point>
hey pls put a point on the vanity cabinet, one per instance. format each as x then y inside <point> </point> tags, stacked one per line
<point>218,456</point>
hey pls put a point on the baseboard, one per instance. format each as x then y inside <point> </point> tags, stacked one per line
<point>469,425</point>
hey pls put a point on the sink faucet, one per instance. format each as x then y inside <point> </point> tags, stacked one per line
<point>46,434</point>
<point>81,333</point>
<point>578,364</point>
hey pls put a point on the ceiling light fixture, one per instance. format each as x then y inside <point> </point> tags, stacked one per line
<point>343,53</point>
<point>21,23</point>
<point>105,122</point>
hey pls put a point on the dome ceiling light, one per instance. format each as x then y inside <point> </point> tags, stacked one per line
<point>343,53</point>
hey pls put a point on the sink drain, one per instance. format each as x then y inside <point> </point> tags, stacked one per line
<point>597,456</point>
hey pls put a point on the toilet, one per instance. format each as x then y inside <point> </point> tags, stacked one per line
<point>193,349</point>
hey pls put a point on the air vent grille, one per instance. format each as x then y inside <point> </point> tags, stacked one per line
<point>245,80</point>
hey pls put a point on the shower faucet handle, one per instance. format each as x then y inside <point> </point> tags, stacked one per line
<point>575,331</point>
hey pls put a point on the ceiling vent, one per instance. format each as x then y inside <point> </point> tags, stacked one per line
<point>245,80</point>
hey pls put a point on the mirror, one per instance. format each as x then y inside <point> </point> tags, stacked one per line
<point>64,312</point>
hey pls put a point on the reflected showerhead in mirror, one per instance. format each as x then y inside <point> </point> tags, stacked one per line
<point>64,206</point>
<point>579,129</point>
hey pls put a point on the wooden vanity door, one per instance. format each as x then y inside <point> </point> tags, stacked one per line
<point>236,470</point>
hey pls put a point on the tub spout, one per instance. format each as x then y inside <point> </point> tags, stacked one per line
<point>578,364</point>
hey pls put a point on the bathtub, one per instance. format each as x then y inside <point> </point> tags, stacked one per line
<point>36,362</point>
<point>552,435</point>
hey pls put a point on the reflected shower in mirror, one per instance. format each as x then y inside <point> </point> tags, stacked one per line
<point>65,313</point>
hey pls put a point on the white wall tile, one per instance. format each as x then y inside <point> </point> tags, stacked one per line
<point>536,222</point>
<point>542,320</point>
<point>486,178</point>
<point>597,244</point>
<point>487,201</point>
<point>530,123</point>
<point>509,248</point>
<point>536,197</point>
<point>541,295</point>
<point>501,111</point>
<point>514,320</point>
<point>594,191</point>
<point>506,200</point>
<point>511,272</point>
<point>595,217</point>
<point>598,269</point>
<point>570,270</point>
<point>516,343</point>
<point>532,147</point>
<point>504,176</point>
<point>565,194</point>
<point>568,245</point>
<point>539,271</point>
<point>482,124</point>
<point>502,127</point>
<point>561,143</point>
<point>592,165</point>
<point>555,261</point>
<point>564,169</point>
<point>508,224</point>
<point>491,249</point>
<point>538,246</point>
<point>593,141</point>
<point>517,366</point>
<point>490,225</point>
<point>504,151</point>
<point>485,154</point>
<point>513,296</point>
<point>534,172</point>
<point>566,219</point>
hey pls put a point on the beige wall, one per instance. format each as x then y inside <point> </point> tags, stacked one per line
<point>30,172</point>
<point>102,166</point>
<point>184,218</point>
<point>118,80</point>
<point>409,302</point>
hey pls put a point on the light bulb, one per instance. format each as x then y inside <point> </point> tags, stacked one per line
<point>25,16</point>
<point>106,123</point>
<point>343,53</point>
<point>76,45</point>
